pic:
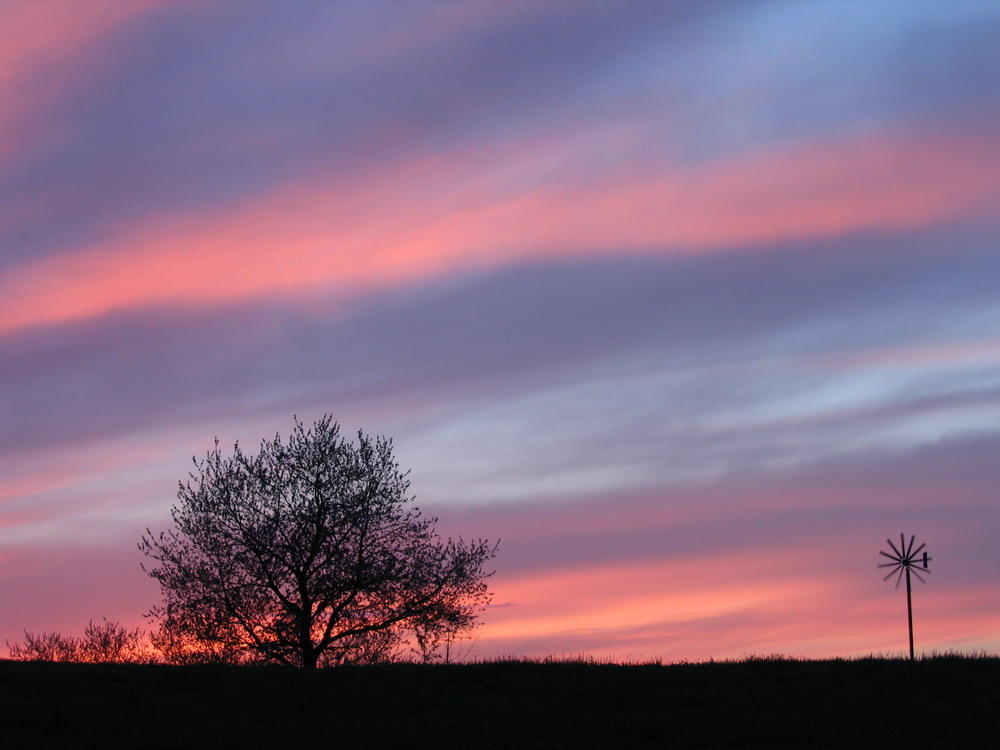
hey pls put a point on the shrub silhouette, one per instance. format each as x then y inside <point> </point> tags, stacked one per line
<point>105,642</point>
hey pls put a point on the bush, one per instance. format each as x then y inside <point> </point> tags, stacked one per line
<point>108,642</point>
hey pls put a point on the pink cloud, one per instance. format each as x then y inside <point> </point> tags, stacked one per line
<point>423,219</point>
<point>54,470</point>
<point>40,37</point>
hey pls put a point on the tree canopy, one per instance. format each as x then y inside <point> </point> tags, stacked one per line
<point>309,553</point>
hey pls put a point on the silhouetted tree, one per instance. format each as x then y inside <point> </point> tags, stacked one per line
<point>107,642</point>
<point>186,637</point>
<point>308,554</point>
<point>44,647</point>
<point>111,642</point>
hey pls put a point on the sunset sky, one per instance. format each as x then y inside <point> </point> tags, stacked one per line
<point>691,304</point>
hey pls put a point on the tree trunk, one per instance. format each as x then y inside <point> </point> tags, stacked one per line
<point>310,658</point>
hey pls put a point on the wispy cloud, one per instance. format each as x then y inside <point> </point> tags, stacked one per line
<point>338,237</point>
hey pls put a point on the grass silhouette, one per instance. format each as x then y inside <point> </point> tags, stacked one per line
<point>938,701</point>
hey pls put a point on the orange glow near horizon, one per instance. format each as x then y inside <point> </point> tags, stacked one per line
<point>658,611</point>
<point>610,600</point>
<point>701,608</point>
<point>742,598</point>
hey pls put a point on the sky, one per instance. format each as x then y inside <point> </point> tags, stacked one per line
<point>690,304</point>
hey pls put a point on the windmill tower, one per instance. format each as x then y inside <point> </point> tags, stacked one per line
<point>903,561</point>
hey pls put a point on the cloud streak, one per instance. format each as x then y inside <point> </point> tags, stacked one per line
<point>322,238</point>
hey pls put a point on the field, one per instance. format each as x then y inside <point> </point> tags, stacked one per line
<point>946,701</point>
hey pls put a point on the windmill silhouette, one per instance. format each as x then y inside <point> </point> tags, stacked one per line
<point>903,561</point>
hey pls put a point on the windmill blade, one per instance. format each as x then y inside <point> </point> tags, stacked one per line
<point>906,558</point>
<point>898,553</point>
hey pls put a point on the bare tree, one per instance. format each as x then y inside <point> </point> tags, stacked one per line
<point>111,642</point>
<point>185,638</point>
<point>308,554</point>
<point>44,647</point>
<point>107,642</point>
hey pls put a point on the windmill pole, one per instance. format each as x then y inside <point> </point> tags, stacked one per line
<point>909,610</point>
<point>901,561</point>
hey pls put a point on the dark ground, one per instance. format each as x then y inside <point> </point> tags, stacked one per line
<point>883,703</point>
